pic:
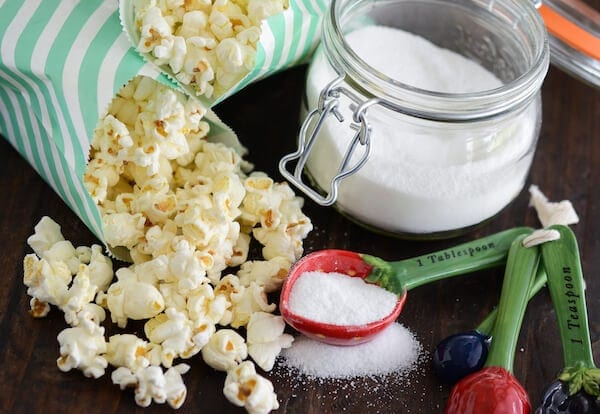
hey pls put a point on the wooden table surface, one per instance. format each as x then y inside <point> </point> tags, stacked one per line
<point>265,116</point>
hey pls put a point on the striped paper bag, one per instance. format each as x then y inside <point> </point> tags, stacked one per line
<point>63,61</point>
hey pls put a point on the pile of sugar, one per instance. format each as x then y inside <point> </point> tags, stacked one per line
<point>339,299</point>
<point>394,351</point>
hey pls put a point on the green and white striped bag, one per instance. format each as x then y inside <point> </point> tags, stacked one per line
<point>63,61</point>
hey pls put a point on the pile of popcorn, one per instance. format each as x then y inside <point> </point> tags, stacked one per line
<point>185,209</point>
<point>209,45</point>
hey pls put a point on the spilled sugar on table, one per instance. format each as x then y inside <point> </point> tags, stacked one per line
<point>266,118</point>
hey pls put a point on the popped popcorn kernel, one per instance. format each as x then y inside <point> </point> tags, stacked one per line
<point>100,268</point>
<point>47,232</point>
<point>129,298</point>
<point>268,274</point>
<point>63,251</point>
<point>224,350</point>
<point>123,229</point>
<point>245,388</point>
<point>81,292</point>
<point>174,332</point>
<point>203,304</point>
<point>151,384</point>
<point>127,350</point>
<point>46,281</point>
<point>82,347</point>
<point>252,299</point>
<point>266,338</point>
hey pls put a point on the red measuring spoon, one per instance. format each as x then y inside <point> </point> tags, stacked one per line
<point>329,261</point>
<point>397,277</point>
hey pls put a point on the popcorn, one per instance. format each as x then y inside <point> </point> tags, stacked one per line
<point>100,175</point>
<point>47,282</point>
<point>82,347</point>
<point>91,312</point>
<point>195,215</point>
<point>202,330</point>
<point>231,289</point>
<point>123,229</point>
<point>157,208</point>
<point>228,193</point>
<point>265,338</point>
<point>81,292</point>
<point>268,274</point>
<point>154,271</point>
<point>224,247</point>
<point>47,232</point>
<point>172,296</point>
<point>193,23</point>
<point>217,158</point>
<point>158,239</point>
<point>84,254</point>
<point>127,350</point>
<point>174,387</point>
<point>100,269</point>
<point>252,299</point>
<point>209,46</point>
<point>130,299</point>
<point>230,54</point>
<point>175,333</point>
<point>49,278</point>
<point>204,304</point>
<point>283,226</point>
<point>63,251</point>
<point>112,138</point>
<point>188,265</point>
<point>245,388</point>
<point>154,28</point>
<point>185,209</point>
<point>261,9</point>
<point>224,350</point>
<point>151,384</point>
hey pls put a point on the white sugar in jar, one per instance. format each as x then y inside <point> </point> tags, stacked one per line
<point>435,103</point>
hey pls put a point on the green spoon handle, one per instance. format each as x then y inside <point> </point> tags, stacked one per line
<point>566,286</point>
<point>521,267</point>
<point>464,258</point>
<point>486,326</point>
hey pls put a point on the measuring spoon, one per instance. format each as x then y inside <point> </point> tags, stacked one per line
<point>577,389</point>
<point>397,277</point>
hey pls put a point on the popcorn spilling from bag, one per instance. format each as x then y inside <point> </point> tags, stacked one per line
<point>207,45</point>
<point>185,209</point>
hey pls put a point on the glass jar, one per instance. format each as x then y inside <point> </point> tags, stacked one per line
<point>407,160</point>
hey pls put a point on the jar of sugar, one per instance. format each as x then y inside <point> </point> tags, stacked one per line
<point>421,117</point>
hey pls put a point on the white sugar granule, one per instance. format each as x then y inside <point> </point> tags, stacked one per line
<point>394,350</point>
<point>339,299</point>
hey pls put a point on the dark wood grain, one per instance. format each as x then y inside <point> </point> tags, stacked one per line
<point>265,116</point>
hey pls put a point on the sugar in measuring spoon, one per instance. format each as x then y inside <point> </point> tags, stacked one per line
<point>397,277</point>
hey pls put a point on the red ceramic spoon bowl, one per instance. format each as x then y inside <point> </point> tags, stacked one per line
<point>329,261</point>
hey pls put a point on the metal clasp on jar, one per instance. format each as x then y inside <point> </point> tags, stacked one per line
<point>328,105</point>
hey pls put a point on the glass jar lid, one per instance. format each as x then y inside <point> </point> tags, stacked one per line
<point>574,37</point>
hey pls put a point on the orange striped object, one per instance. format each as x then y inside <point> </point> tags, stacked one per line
<point>570,33</point>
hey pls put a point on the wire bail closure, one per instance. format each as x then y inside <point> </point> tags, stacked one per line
<point>328,104</point>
